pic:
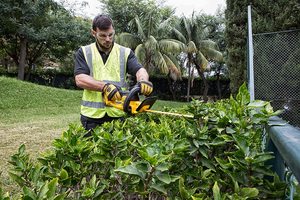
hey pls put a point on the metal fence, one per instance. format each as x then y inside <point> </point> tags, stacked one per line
<point>276,63</point>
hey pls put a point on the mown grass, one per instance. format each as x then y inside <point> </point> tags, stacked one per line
<point>35,115</point>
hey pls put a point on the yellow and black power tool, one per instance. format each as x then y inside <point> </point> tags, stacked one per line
<point>131,104</point>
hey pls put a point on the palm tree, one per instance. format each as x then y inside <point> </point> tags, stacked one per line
<point>156,54</point>
<point>198,51</point>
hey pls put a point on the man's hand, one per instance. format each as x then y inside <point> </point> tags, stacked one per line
<point>111,92</point>
<point>146,87</point>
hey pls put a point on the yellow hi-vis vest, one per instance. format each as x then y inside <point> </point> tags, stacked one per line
<point>113,71</point>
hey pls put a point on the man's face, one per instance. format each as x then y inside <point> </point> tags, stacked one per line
<point>104,38</point>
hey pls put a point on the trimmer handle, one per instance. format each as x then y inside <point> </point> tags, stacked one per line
<point>132,95</point>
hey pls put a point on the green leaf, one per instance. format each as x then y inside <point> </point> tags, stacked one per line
<point>262,158</point>
<point>60,196</point>
<point>163,167</point>
<point>63,175</point>
<point>28,194</point>
<point>43,191</point>
<point>206,173</point>
<point>197,198</point>
<point>236,187</point>
<point>223,163</point>
<point>88,192</point>
<point>208,163</point>
<point>52,187</point>
<point>195,142</point>
<point>230,130</point>
<point>97,157</point>
<point>93,181</point>
<point>183,192</point>
<point>242,144</point>
<point>269,108</point>
<point>243,96</point>
<point>249,192</point>
<point>35,174</point>
<point>203,152</point>
<point>159,188</point>
<point>216,191</point>
<point>99,191</point>
<point>18,179</point>
<point>164,177</point>
<point>257,104</point>
<point>83,181</point>
<point>277,112</point>
<point>131,169</point>
<point>22,149</point>
<point>149,155</point>
<point>220,130</point>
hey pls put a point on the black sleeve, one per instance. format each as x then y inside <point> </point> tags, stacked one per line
<point>81,67</point>
<point>132,64</point>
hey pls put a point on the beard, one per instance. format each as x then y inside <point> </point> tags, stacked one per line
<point>106,46</point>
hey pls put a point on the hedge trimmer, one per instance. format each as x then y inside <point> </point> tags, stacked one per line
<point>131,104</point>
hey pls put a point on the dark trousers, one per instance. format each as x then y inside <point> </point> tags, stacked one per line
<point>90,123</point>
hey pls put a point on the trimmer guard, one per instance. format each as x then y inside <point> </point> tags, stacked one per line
<point>146,104</point>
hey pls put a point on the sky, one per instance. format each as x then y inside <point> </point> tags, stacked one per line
<point>186,7</point>
<point>183,7</point>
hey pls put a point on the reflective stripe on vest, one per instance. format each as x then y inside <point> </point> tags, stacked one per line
<point>93,104</point>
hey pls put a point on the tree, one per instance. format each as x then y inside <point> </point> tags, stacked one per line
<point>215,28</point>
<point>277,16</point>
<point>123,11</point>
<point>155,54</point>
<point>192,33</point>
<point>30,29</point>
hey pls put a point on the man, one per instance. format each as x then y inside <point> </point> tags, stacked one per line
<point>100,69</point>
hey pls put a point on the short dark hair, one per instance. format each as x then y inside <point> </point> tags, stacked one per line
<point>102,22</point>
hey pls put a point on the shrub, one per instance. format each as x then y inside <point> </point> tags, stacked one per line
<point>217,154</point>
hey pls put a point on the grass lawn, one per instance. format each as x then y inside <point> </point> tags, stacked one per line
<point>34,115</point>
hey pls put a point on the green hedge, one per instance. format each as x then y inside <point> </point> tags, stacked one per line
<point>216,155</point>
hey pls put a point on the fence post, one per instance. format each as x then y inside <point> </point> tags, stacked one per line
<point>250,57</point>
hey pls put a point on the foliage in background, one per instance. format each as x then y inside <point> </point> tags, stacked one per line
<point>155,54</point>
<point>218,154</point>
<point>32,29</point>
<point>235,34</point>
<point>149,35</point>
<point>193,33</point>
<point>278,16</point>
<point>123,11</point>
<point>49,34</point>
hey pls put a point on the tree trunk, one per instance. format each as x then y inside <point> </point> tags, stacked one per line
<point>219,87</point>
<point>5,63</point>
<point>205,91</point>
<point>22,60</point>
<point>189,83</point>
<point>218,81</point>
<point>189,65</point>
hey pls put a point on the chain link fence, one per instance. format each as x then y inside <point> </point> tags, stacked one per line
<point>277,72</point>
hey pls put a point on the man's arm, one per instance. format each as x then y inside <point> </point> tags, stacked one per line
<point>142,74</point>
<point>82,77</point>
<point>85,81</point>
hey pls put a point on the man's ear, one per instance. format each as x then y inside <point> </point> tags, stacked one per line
<point>93,33</point>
